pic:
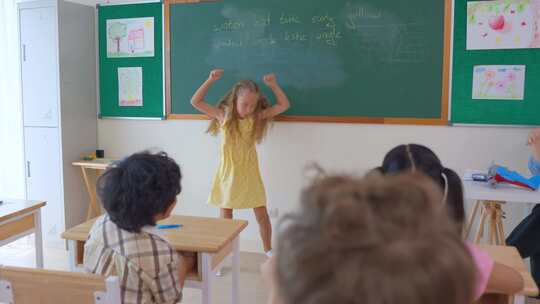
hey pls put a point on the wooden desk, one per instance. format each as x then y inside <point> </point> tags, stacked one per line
<point>98,165</point>
<point>19,218</point>
<point>212,239</point>
<point>509,256</point>
<point>490,201</point>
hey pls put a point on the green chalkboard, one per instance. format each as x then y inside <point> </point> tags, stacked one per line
<point>151,67</point>
<point>478,111</point>
<point>337,60</point>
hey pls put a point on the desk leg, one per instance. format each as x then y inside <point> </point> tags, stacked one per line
<point>500,226</point>
<point>472,216</point>
<point>38,239</point>
<point>72,252</point>
<point>492,223</point>
<point>235,270</point>
<point>207,277</point>
<point>480,230</point>
<point>92,206</point>
<point>519,299</point>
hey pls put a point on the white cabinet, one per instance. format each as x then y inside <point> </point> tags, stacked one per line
<point>43,177</point>
<point>58,75</point>
<point>38,66</point>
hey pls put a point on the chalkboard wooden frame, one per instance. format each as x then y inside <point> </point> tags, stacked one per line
<point>443,120</point>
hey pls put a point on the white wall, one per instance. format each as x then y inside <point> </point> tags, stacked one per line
<point>289,146</point>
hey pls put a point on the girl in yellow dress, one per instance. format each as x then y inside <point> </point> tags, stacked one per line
<point>242,117</point>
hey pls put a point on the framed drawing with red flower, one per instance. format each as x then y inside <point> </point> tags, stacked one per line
<point>503,24</point>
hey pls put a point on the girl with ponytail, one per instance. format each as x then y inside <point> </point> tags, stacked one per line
<point>414,157</point>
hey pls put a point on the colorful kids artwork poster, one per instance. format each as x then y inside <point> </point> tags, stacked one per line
<point>132,37</point>
<point>504,82</point>
<point>503,24</point>
<point>130,87</point>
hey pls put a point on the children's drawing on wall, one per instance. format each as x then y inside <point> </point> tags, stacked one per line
<point>503,24</point>
<point>131,37</point>
<point>503,82</point>
<point>130,87</point>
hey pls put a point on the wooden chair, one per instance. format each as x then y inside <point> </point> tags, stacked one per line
<point>37,286</point>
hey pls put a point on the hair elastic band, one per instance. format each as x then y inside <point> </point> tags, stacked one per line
<point>411,159</point>
<point>445,178</point>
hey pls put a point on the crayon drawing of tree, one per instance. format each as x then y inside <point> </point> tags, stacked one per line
<point>117,31</point>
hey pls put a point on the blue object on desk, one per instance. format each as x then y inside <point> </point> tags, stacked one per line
<point>169,226</point>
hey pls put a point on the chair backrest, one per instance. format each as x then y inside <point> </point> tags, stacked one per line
<point>38,286</point>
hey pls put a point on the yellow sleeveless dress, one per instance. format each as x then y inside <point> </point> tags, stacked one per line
<point>238,183</point>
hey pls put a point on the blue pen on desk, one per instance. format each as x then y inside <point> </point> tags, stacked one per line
<point>169,226</point>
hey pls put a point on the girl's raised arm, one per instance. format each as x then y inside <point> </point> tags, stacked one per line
<point>198,98</point>
<point>282,101</point>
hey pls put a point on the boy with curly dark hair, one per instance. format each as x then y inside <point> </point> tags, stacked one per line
<point>136,193</point>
